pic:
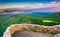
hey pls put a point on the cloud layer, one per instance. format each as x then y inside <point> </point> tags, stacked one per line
<point>52,6</point>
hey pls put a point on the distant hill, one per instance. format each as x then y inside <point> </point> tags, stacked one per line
<point>35,14</point>
<point>54,16</point>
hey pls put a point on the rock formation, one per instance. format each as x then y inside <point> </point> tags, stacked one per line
<point>32,27</point>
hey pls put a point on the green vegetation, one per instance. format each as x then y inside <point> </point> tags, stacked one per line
<point>17,19</point>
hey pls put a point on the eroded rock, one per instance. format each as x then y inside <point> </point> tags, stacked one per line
<point>33,28</point>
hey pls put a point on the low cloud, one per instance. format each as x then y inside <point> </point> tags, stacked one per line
<point>51,7</point>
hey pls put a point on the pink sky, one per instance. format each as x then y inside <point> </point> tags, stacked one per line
<point>51,7</point>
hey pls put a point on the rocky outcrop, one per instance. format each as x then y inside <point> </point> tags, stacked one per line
<point>31,27</point>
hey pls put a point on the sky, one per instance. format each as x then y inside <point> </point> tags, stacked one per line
<point>15,1</point>
<point>31,4</point>
<point>26,1</point>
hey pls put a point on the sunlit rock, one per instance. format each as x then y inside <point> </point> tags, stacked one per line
<point>33,30</point>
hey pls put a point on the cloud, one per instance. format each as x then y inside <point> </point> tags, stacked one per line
<point>17,12</point>
<point>52,6</point>
<point>31,5</point>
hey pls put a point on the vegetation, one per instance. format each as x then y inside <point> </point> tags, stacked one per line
<point>18,19</point>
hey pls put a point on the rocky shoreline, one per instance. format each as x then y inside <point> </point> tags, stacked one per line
<point>32,27</point>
